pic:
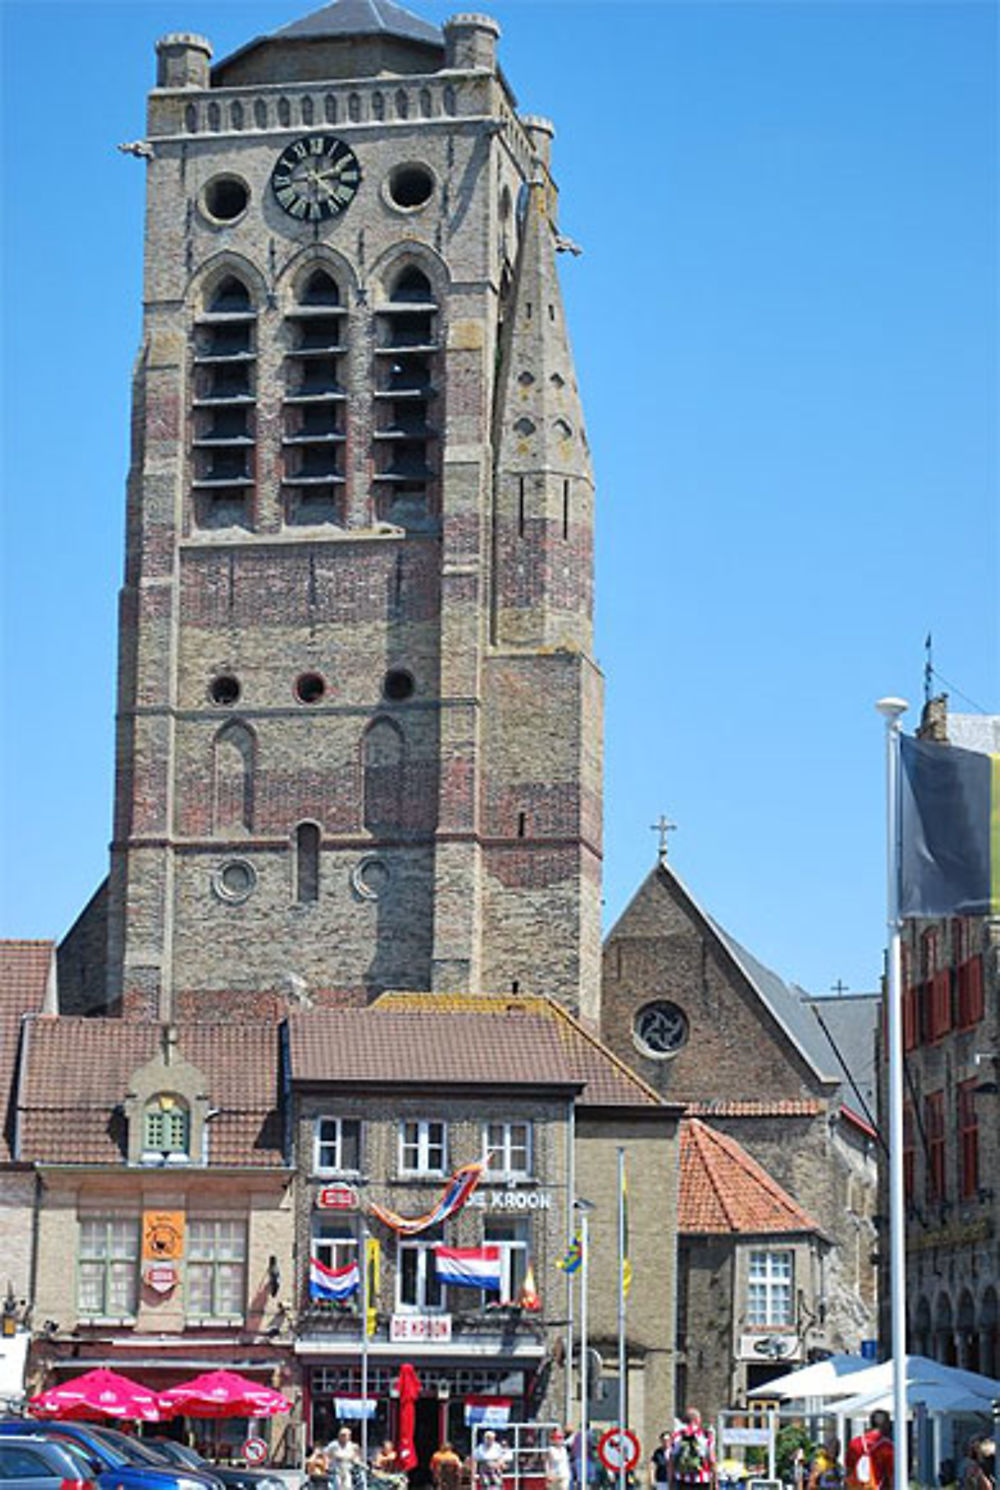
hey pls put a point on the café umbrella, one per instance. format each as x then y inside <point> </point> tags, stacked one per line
<point>408,1387</point>
<point>97,1394</point>
<point>222,1394</point>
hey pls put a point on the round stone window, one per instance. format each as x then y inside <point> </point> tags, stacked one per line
<point>660,1029</point>
<point>409,186</point>
<point>234,880</point>
<point>225,198</point>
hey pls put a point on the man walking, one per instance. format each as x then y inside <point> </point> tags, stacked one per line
<point>871,1458</point>
<point>692,1452</point>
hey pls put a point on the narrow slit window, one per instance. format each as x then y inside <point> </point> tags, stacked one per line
<point>520,506</point>
<point>565,510</point>
<point>306,863</point>
<point>521,824</point>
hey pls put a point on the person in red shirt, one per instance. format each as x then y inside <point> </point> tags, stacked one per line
<point>876,1446</point>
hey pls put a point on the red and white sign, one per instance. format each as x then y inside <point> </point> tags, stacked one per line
<point>161,1277</point>
<point>618,1449</point>
<point>421,1327</point>
<point>255,1451</point>
<point>337,1198</point>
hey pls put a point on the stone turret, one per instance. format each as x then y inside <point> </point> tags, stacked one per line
<point>544,484</point>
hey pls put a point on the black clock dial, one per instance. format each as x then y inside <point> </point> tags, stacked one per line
<point>315,178</point>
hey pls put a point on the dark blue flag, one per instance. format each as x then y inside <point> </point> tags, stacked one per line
<point>950,830</point>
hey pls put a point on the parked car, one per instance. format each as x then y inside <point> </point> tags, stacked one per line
<point>116,1460</point>
<point>30,1462</point>
<point>232,1477</point>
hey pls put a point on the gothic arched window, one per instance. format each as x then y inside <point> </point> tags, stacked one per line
<point>233,773</point>
<point>225,373</point>
<point>313,436</point>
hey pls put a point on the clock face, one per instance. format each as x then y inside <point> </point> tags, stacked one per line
<point>315,178</point>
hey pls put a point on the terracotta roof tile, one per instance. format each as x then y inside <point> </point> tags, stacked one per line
<point>607,1081</point>
<point>24,975</point>
<point>94,1060</point>
<point>785,1107</point>
<point>421,1045</point>
<point>724,1191</point>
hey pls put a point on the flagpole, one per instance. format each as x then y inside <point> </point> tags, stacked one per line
<point>892,710</point>
<point>622,1363</point>
<point>364,1350</point>
<point>584,1207</point>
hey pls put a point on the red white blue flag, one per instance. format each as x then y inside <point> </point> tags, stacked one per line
<point>333,1283</point>
<point>468,1267</point>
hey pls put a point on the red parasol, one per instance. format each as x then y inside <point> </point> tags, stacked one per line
<point>97,1394</point>
<point>408,1387</point>
<point>222,1394</point>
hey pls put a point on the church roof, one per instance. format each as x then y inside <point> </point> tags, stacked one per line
<point>361,18</point>
<point>725,1192</point>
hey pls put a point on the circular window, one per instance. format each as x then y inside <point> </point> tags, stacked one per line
<point>225,198</point>
<point>225,689</point>
<point>370,877</point>
<point>410,186</point>
<point>234,880</point>
<point>398,685</point>
<point>310,688</point>
<point>660,1029</point>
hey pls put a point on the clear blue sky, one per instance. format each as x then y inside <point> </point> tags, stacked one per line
<point>786,325</point>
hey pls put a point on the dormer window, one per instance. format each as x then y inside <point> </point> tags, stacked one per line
<point>166,1127</point>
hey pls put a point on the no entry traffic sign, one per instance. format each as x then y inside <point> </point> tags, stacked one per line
<point>618,1449</point>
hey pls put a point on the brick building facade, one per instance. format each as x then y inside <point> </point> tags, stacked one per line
<point>951,1115</point>
<point>790,1081</point>
<point>359,719</point>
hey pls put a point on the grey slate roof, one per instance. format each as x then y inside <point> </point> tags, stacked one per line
<point>851,1023</point>
<point>785,1003</point>
<point>362,18</point>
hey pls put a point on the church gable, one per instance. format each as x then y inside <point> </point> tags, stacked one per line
<point>695,1014</point>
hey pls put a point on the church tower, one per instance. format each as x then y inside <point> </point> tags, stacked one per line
<point>359,728</point>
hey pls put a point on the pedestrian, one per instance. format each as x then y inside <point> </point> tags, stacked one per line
<point>491,1460</point>
<point>871,1458</point>
<point>659,1464</point>
<point>317,1468</point>
<point>975,1473</point>
<point>557,1471</point>
<point>826,1471</point>
<point>343,1454</point>
<point>692,1452</point>
<point>446,1468</point>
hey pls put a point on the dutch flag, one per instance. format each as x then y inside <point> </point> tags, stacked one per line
<point>468,1267</point>
<point>333,1283</point>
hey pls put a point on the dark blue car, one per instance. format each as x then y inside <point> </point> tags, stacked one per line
<point>117,1461</point>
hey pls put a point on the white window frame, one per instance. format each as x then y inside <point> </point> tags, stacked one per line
<point>222,1242</point>
<point>425,1280</point>
<point>336,1143</point>
<point>515,1251</point>
<point>337,1249</point>
<point>500,1148</point>
<point>422,1146</point>
<point>770,1288</point>
<point>117,1257</point>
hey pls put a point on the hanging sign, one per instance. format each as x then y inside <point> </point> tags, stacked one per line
<point>491,1412</point>
<point>162,1236</point>
<point>354,1408</point>
<point>337,1198</point>
<point>161,1277</point>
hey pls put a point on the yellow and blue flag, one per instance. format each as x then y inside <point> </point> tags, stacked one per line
<point>950,830</point>
<point>573,1258</point>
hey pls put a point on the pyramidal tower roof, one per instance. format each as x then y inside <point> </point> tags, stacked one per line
<point>361,18</point>
<point>340,28</point>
